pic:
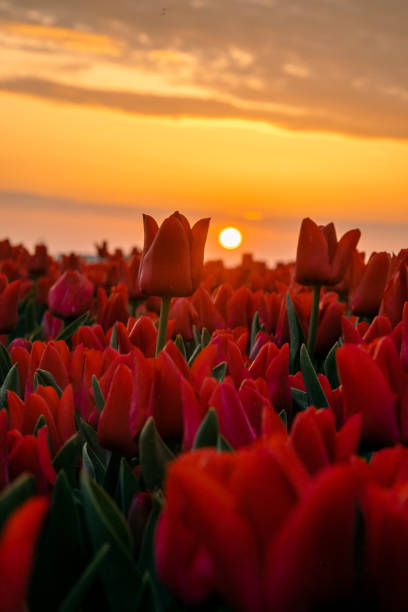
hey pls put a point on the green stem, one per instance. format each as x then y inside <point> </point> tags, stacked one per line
<point>164,318</point>
<point>314,319</point>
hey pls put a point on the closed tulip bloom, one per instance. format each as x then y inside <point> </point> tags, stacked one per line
<point>365,300</point>
<point>172,258</point>
<point>17,552</point>
<point>71,295</point>
<point>320,258</point>
<point>9,293</point>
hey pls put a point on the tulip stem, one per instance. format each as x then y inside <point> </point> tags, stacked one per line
<point>314,319</point>
<point>164,318</point>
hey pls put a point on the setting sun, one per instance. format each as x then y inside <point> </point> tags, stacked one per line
<point>230,238</point>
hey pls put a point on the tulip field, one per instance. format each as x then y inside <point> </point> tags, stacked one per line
<point>176,435</point>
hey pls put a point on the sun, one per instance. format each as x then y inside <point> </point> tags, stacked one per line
<point>230,238</point>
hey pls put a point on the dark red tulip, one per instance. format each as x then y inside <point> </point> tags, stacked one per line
<point>17,549</point>
<point>71,295</point>
<point>320,258</point>
<point>172,257</point>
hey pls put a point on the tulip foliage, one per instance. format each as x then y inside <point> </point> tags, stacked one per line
<point>246,449</point>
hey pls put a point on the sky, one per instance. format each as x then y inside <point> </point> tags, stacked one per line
<point>256,113</point>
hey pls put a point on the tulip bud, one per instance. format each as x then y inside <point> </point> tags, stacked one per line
<point>71,295</point>
<point>9,295</point>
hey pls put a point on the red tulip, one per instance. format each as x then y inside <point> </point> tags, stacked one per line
<point>143,334</point>
<point>208,314</point>
<point>184,315</point>
<point>320,259</point>
<point>233,420</point>
<point>71,295</point>
<point>9,295</point>
<point>396,288</point>
<point>314,438</point>
<point>366,298</point>
<point>38,263</point>
<point>172,258</point>
<point>17,547</point>
<point>385,546</point>
<point>112,309</point>
<point>365,389</point>
<point>310,564</point>
<point>222,546</point>
<point>113,428</point>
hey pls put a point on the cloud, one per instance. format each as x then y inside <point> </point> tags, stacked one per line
<point>369,124</point>
<point>341,63</point>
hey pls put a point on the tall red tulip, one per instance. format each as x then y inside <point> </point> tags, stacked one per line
<point>172,258</point>
<point>172,262</point>
<point>320,258</point>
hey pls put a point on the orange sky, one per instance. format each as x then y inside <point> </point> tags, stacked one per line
<point>100,123</point>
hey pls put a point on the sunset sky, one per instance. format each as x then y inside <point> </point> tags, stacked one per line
<point>254,112</point>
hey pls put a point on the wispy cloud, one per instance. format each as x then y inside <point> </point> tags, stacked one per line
<point>334,65</point>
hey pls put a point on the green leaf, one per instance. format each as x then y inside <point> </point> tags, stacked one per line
<point>196,336</point>
<point>295,335</point>
<point>194,354</point>
<point>299,399</point>
<point>98,395</point>
<point>106,524</point>
<point>70,329</point>
<point>41,422</point>
<point>114,341</point>
<point>315,393</point>
<point>330,367</point>
<point>92,464</point>
<point>67,458</point>
<point>5,362</point>
<point>154,456</point>
<point>255,328</point>
<point>73,601</point>
<point>205,337</point>
<point>153,596</point>
<point>128,486</point>
<point>10,383</point>
<point>147,596</point>
<point>60,553</point>
<point>146,555</point>
<point>179,342</point>
<point>110,479</point>
<point>365,454</point>
<point>208,432</point>
<point>284,418</point>
<point>219,371</point>
<point>30,315</point>
<point>14,495</point>
<point>223,445</point>
<point>89,434</point>
<point>42,377</point>
<point>105,521</point>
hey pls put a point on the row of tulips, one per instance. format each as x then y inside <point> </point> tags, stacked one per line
<point>244,449</point>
